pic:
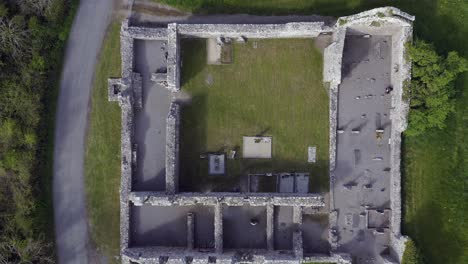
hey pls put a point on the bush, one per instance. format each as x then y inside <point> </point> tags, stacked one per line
<point>431,90</point>
<point>412,254</point>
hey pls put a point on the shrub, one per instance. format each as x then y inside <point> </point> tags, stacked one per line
<point>411,254</point>
<point>431,89</point>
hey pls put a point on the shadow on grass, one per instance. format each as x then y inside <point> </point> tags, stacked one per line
<point>193,54</point>
<point>429,229</point>
<point>193,138</point>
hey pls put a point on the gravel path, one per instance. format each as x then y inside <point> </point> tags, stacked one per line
<point>84,43</point>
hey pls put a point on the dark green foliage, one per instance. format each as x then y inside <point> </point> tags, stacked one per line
<point>412,254</point>
<point>432,87</point>
<point>32,41</point>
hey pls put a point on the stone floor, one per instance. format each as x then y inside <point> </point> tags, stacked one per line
<point>150,122</point>
<point>237,230</point>
<point>167,226</point>
<point>363,160</point>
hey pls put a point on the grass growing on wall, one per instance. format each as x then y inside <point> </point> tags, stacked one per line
<point>102,163</point>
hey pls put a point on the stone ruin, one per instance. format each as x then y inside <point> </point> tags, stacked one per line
<point>127,91</point>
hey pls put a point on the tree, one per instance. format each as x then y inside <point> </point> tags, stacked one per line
<point>432,89</point>
<point>15,250</point>
<point>36,7</point>
<point>13,37</point>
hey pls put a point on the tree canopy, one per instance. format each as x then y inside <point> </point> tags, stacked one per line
<point>431,90</point>
<point>32,38</point>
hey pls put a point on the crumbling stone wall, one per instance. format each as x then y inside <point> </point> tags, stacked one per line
<point>333,57</point>
<point>126,167</point>
<point>173,58</point>
<point>288,30</point>
<point>172,148</point>
<point>230,199</point>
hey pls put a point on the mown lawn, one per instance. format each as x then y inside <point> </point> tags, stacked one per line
<point>273,90</point>
<point>102,162</point>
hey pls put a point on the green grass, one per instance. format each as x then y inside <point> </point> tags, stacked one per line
<point>275,89</point>
<point>435,190</point>
<point>102,163</point>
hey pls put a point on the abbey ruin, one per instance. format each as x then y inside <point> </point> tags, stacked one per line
<point>362,210</point>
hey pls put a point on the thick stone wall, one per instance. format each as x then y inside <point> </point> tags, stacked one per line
<point>146,33</point>
<point>173,58</point>
<point>126,167</point>
<point>333,57</point>
<point>270,227</point>
<point>288,30</point>
<point>230,199</point>
<point>152,255</point>
<point>126,51</point>
<point>172,148</point>
<point>218,228</point>
<point>125,98</point>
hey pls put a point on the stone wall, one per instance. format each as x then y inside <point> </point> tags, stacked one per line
<point>153,255</point>
<point>172,148</point>
<point>333,57</point>
<point>125,98</point>
<point>146,33</point>
<point>230,199</point>
<point>288,30</point>
<point>173,58</point>
<point>126,105</point>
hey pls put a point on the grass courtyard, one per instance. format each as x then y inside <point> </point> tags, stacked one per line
<point>272,88</point>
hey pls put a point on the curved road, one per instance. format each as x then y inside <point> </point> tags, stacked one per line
<point>84,43</point>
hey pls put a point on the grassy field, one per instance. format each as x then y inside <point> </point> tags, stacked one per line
<point>273,90</point>
<point>102,163</point>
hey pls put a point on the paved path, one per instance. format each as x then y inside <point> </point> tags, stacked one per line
<point>71,226</point>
